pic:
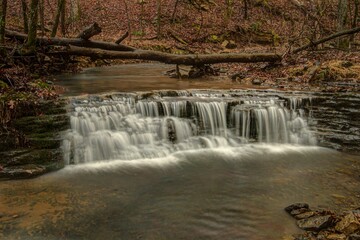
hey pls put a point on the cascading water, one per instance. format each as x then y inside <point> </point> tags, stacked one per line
<point>130,126</point>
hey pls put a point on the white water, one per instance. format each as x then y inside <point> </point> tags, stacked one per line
<point>126,128</point>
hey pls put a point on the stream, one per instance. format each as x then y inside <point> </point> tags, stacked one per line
<point>150,157</point>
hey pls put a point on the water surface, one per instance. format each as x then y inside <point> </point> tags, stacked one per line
<point>224,193</point>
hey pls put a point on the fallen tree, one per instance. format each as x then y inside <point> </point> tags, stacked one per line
<point>79,42</point>
<point>328,38</point>
<point>106,50</point>
<point>188,59</point>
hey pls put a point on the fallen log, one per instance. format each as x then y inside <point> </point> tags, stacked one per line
<point>90,31</point>
<point>189,59</point>
<point>328,38</point>
<point>45,41</point>
<point>122,38</point>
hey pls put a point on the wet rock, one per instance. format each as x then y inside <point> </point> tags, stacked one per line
<point>296,206</point>
<point>335,236</point>
<point>256,81</point>
<point>316,223</point>
<point>348,225</point>
<point>298,211</point>
<point>354,237</point>
<point>304,215</point>
<point>23,171</point>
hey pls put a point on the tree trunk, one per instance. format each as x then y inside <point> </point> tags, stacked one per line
<point>31,40</point>
<point>41,15</point>
<point>191,59</point>
<point>57,17</point>
<point>63,19</point>
<point>174,12</point>
<point>355,19</point>
<point>246,9</point>
<point>328,38</point>
<point>341,22</point>
<point>128,19</point>
<point>3,8</point>
<point>158,19</point>
<point>90,31</point>
<point>25,17</point>
<point>70,41</point>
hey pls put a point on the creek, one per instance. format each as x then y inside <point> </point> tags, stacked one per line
<point>147,163</point>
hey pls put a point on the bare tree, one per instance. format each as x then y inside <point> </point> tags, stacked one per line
<point>341,22</point>
<point>2,25</point>
<point>41,15</point>
<point>158,18</point>
<point>59,9</point>
<point>25,17</point>
<point>31,41</point>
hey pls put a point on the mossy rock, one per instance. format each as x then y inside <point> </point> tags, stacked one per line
<point>42,124</point>
<point>31,156</point>
<point>44,143</point>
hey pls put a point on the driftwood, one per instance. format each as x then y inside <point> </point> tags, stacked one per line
<point>328,38</point>
<point>90,31</point>
<point>190,59</point>
<point>44,41</point>
<point>122,38</point>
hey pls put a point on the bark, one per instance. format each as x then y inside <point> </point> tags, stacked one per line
<point>342,18</point>
<point>245,9</point>
<point>57,17</point>
<point>174,11</point>
<point>3,7</point>
<point>355,19</point>
<point>90,31</point>
<point>31,40</point>
<point>62,19</point>
<point>158,18</point>
<point>128,18</point>
<point>122,38</point>
<point>41,15</point>
<point>25,17</point>
<point>71,41</point>
<point>190,59</point>
<point>328,38</point>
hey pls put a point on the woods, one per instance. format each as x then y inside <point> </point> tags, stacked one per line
<point>35,18</point>
<point>191,32</point>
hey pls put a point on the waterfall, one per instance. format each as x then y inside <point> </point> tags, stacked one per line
<point>127,127</point>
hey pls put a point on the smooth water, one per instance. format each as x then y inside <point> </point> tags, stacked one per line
<point>222,193</point>
<point>181,165</point>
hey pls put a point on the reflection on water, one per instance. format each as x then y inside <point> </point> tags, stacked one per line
<point>133,77</point>
<point>223,193</point>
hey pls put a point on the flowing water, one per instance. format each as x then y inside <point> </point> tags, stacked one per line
<point>184,164</point>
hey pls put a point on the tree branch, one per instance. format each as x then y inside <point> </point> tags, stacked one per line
<point>328,38</point>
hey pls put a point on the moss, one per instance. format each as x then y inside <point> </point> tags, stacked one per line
<point>3,85</point>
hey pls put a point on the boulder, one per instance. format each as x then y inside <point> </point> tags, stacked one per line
<point>256,81</point>
<point>316,223</point>
<point>348,225</point>
<point>299,211</point>
<point>304,215</point>
<point>296,206</point>
<point>335,236</point>
<point>354,237</point>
